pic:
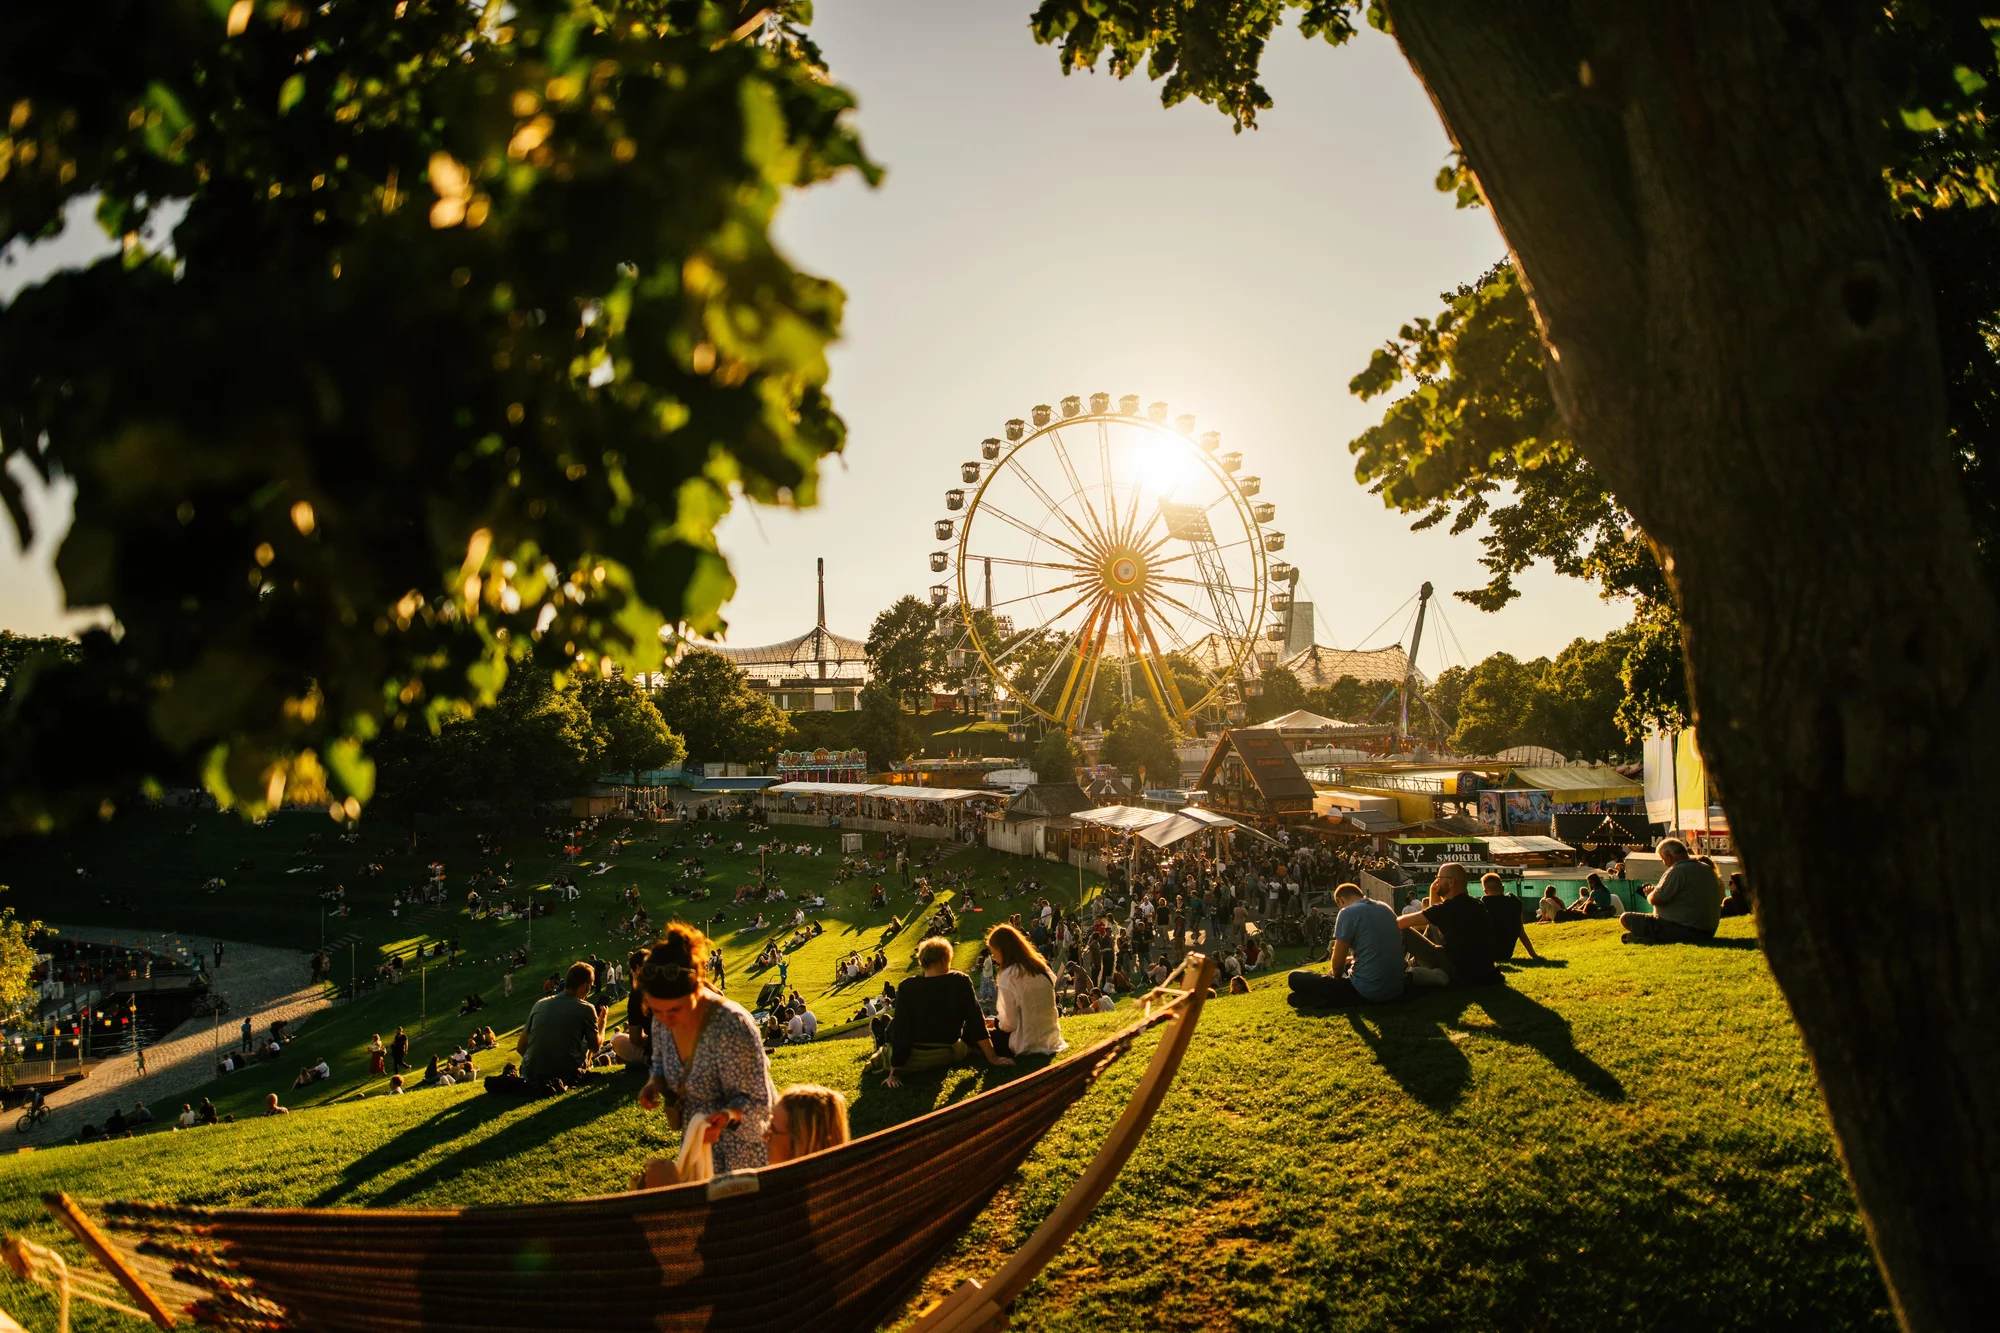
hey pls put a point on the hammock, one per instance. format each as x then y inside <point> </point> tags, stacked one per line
<point>832,1241</point>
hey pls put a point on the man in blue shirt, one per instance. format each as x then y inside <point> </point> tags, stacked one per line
<point>1367,934</point>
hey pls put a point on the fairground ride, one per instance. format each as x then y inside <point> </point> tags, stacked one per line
<point>1104,553</point>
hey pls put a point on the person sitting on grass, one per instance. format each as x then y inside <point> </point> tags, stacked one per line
<point>1366,957</point>
<point>1552,906</point>
<point>938,1020</point>
<point>1687,902</point>
<point>562,1032</point>
<point>1738,901</point>
<point>1504,910</point>
<point>271,1106</point>
<point>396,1085</point>
<point>207,1114</point>
<point>1463,950</point>
<point>187,1120</point>
<point>435,1077</point>
<point>1594,903</point>
<point>805,1119</point>
<point>1024,997</point>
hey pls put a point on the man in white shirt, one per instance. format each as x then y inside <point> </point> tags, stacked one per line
<point>810,1021</point>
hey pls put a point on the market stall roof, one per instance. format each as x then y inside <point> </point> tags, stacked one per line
<point>825,788</point>
<point>1304,719</point>
<point>1048,800</point>
<point>1531,845</point>
<point>1162,827</point>
<point>930,793</point>
<point>1578,782</point>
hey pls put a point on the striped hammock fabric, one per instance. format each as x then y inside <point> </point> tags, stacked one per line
<point>835,1241</point>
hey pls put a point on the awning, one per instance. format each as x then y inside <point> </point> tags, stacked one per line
<point>1163,828</point>
<point>1578,782</point>
<point>929,793</point>
<point>824,788</point>
<point>1533,845</point>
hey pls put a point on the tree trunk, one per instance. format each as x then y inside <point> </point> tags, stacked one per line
<point>1743,347</point>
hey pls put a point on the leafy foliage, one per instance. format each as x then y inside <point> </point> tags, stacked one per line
<point>1141,744</point>
<point>1056,757</point>
<point>712,705</point>
<point>902,650</point>
<point>631,735</point>
<point>884,729</point>
<point>468,335</point>
<point>17,961</point>
<point>1282,694</point>
<point>1205,51</point>
<point>1573,704</point>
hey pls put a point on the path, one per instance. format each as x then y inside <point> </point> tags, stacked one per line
<point>261,982</point>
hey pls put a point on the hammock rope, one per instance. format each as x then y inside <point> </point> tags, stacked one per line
<point>836,1240</point>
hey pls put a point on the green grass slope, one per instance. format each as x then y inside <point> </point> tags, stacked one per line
<point>150,868</point>
<point>1621,1138</point>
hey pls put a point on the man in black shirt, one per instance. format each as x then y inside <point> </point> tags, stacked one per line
<point>1466,954</point>
<point>1503,909</point>
<point>938,1020</point>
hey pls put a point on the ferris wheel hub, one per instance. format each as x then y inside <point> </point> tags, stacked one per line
<point>1125,572</point>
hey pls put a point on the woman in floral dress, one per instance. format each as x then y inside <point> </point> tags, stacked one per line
<point>707,1052</point>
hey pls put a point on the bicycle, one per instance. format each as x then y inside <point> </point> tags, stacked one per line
<point>32,1117</point>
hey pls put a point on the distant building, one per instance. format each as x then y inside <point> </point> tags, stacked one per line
<point>817,672</point>
<point>1252,773</point>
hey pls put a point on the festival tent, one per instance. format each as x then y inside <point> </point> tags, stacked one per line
<point>1161,827</point>
<point>1303,719</point>
<point>1577,783</point>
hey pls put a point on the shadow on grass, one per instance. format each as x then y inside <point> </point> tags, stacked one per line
<point>876,1107</point>
<point>1412,1041</point>
<point>552,1117</point>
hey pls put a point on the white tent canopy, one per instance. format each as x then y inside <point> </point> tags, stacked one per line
<point>1162,827</point>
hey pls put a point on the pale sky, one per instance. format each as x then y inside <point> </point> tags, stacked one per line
<point>1039,236</point>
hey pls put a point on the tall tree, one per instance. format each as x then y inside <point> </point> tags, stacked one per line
<point>716,711</point>
<point>469,331</point>
<point>632,736</point>
<point>902,648</point>
<point>1056,758</point>
<point>1499,700</point>
<point>1141,744</point>
<point>884,730</point>
<point>1282,694</point>
<point>1730,309</point>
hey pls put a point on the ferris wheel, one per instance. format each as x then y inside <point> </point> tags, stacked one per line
<point>1104,556</point>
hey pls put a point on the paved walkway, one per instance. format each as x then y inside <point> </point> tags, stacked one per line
<point>260,982</point>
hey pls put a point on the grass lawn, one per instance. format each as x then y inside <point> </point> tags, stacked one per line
<point>1619,1138</point>
<point>151,868</point>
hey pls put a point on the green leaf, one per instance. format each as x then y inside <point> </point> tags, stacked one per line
<point>291,92</point>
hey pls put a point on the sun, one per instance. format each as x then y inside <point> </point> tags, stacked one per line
<point>1166,465</point>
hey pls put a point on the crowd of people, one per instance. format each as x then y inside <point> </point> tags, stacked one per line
<point>1451,939</point>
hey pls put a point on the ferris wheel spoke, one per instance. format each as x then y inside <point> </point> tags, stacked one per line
<point>1094,626</point>
<point>1076,486</point>
<point>1151,523</point>
<point>1187,554</point>
<point>1104,476</point>
<point>1049,503</point>
<point>1198,615</point>
<point>1026,636</point>
<point>1042,592</point>
<point>1187,654</point>
<point>1198,583</point>
<point>1031,530</point>
<point>1032,564</point>
<point>1055,665</point>
<point>1156,667</point>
